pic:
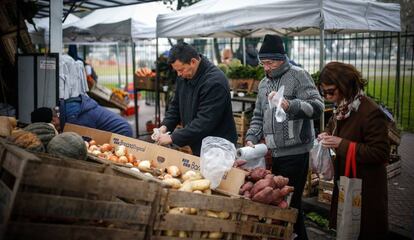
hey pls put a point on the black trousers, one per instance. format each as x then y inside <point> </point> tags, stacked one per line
<point>294,167</point>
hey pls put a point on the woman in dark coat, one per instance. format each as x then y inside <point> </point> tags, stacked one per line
<point>357,118</point>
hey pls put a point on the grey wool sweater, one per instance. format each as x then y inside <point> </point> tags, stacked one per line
<point>295,135</point>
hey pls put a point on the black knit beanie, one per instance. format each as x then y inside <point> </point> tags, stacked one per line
<point>272,48</point>
<point>42,114</point>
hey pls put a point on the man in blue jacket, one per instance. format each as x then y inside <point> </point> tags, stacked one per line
<point>202,102</point>
<point>84,111</point>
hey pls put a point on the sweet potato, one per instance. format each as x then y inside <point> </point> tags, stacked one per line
<point>283,204</point>
<point>269,176</point>
<point>276,197</point>
<point>280,181</point>
<point>239,163</point>
<point>247,194</point>
<point>286,190</point>
<point>264,196</point>
<point>258,173</point>
<point>247,186</point>
<point>261,184</point>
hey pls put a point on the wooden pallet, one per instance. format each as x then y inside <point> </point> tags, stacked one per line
<point>54,198</point>
<point>247,219</point>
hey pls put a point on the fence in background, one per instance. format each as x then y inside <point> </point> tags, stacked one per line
<point>374,54</point>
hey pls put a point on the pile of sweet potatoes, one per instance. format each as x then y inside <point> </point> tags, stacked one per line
<point>264,187</point>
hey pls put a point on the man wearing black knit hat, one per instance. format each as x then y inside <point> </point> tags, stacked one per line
<point>289,140</point>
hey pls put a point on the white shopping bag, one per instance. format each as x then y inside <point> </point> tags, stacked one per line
<point>349,200</point>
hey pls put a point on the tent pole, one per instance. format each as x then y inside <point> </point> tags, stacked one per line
<point>321,64</point>
<point>126,66</point>
<point>244,50</point>
<point>157,92</point>
<point>117,62</point>
<point>136,109</point>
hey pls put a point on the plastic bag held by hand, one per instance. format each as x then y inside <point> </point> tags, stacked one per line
<point>321,161</point>
<point>253,156</point>
<point>156,134</point>
<point>216,158</point>
<point>275,101</point>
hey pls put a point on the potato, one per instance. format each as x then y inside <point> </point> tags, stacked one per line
<point>207,191</point>
<point>166,176</point>
<point>179,210</point>
<point>191,175</point>
<point>223,215</point>
<point>182,234</point>
<point>174,171</point>
<point>204,235</point>
<point>211,214</point>
<point>173,182</point>
<point>186,187</point>
<point>202,184</point>
<point>215,235</point>
<point>170,233</point>
<point>193,211</point>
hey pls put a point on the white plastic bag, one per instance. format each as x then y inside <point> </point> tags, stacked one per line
<point>321,161</point>
<point>275,101</point>
<point>253,156</point>
<point>216,158</point>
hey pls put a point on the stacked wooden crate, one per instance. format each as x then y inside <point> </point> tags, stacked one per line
<point>44,197</point>
<point>187,215</point>
<point>242,124</point>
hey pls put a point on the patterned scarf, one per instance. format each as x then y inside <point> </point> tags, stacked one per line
<point>345,108</point>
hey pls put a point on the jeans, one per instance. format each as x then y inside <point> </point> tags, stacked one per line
<point>294,167</point>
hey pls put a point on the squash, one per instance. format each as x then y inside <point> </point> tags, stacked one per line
<point>27,140</point>
<point>68,144</point>
<point>44,131</point>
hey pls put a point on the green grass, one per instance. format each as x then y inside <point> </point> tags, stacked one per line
<point>384,92</point>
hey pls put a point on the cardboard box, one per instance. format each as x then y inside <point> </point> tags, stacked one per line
<point>161,156</point>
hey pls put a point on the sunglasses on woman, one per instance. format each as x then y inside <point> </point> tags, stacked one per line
<point>330,91</point>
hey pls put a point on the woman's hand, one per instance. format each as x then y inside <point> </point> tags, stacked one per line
<point>331,141</point>
<point>321,136</point>
<point>249,144</point>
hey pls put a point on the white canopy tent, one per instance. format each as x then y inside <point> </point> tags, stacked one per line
<point>235,18</point>
<point>124,23</point>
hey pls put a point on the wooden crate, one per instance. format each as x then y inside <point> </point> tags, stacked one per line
<point>247,220</point>
<point>144,83</point>
<point>393,169</point>
<point>54,198</point>
<point>242,124</point>
<point>243,85</point>
<point>325,190</point>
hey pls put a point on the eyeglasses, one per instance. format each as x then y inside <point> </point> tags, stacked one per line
<point>325,92</point>
<point>267,63</point>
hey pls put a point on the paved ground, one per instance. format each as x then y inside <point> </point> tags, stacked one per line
<point>400,188</point>
<point>401,191</point>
